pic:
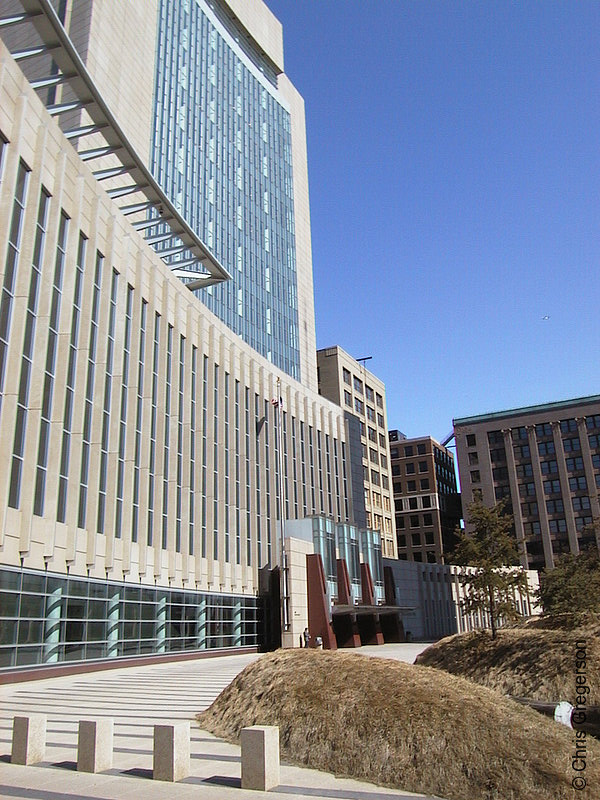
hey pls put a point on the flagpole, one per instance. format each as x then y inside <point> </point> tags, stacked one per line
<point>285,622</point>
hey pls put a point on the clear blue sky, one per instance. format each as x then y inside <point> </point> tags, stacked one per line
<point>454,165</point>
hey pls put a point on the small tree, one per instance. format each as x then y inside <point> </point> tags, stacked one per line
<point>573,585</point>
<point>491,550</point>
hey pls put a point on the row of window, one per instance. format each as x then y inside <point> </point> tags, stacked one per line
<point>411,486</point>
<point>559,525</point>
<point>370,395</point>
<point>416,539</point>
<point>79,487</point>
<point>542,430</point>
<point>48,618</point>
<point>409,451</point>
<point>414,520</point>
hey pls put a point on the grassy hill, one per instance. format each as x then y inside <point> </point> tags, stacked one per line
<point>530,661</point>
<point>403,726</point>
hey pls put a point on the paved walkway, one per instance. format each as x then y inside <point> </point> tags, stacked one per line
<point>137,698</point>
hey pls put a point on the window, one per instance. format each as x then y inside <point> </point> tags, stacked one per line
<point>373,456</point>
<point>397,486</point>
<point>375,477</point>
<point>522,451</point>
<point>555,506</point>
<point>581,503</point>
<point>401,539</point>
<point>524,470</point>
<point>369,394</point>
<point>385,482</point>
<point>363,430</point>
<point>571,445</point>
<point>549,467</point>
<point>545,429</point>
<point>422,466</point>
<point>396,471</point>
<point>412,502</point>
<point>408,450</point>
<point>575,484</point>
<point>348,398</point>
<point>411,486</point>
<point>414,521</point>
<point>379,400</point>
<point>495,437</point>
<point>532,528</point>
<point>529,509</point>
<point>473,458</point>
<point>372,435</point>
<point>420,449</point>
<point>500,473</point>
<point>501,491</point>
<point>382,440</point>
<point>546,448</point>
<point>475,476</point>
<point>359,406</point>
<point>416,539</point>
<point>371,413</point>
<point>410,468</point>
<point>574,464</point>
<point>394,452</point>
<point>557,525</point>
<point>346,376</point>
<point>593,422</point>
<point>596,461</point>
<point>594,441</point>
<point>424,483</point>
<point>426,501</point>
<point>427,519</point>
<point>568,426</point>
<point>551,487</point>
<point>527,489</point>
<point>380,421</point>
<point>471,440</point>
<point>583,522</point>
<point>358,386</point>
<point>519,434</point>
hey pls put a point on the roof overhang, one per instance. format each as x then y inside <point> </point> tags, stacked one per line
<point>141,197</point>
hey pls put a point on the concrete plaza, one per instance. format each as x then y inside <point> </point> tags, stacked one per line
<point>137,698</point>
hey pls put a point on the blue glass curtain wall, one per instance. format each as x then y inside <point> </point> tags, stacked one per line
<point>222,153</point>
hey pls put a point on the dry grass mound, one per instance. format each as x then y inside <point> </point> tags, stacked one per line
<point>522,662</point>
<point>401,726</point>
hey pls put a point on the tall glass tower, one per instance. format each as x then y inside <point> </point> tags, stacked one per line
<point>222,151</point>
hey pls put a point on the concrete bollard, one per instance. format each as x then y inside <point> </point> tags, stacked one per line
<point>171,752</point>
<point>29,739</point>
<point>260,757</point>
<point>95,745</point>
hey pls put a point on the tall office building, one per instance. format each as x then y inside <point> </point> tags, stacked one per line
<point>361,394</point>
<point>159,408</point>
<point>426,499</point>
<point>545,462</point>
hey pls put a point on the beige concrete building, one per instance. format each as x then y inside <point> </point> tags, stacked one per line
<point>346,382</point>
<point>426,498</point>
<point>545,462</point>
<point>159,410</point>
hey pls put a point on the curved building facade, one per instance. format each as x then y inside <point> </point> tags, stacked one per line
<point>153,437</point>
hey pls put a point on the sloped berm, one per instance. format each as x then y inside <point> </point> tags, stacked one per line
<point>403,726</point>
